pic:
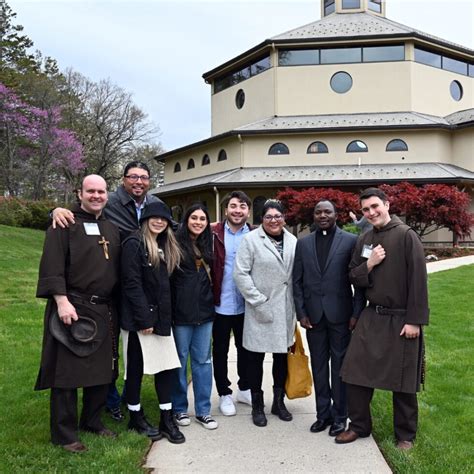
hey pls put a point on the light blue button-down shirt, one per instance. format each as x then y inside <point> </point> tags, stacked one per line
<point>232,301</point>
<point>139,208</point>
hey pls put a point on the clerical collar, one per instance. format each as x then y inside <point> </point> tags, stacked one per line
<point>327,232</point>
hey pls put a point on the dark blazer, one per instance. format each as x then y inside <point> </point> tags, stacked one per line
<point>327,290</point>
<point>146,294</point>
<point>191,292</point>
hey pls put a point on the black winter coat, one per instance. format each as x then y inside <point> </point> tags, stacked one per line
<point>146,295</point>
<point>191,291</point>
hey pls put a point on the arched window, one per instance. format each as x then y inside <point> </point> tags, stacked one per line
<point>205,160</point>
<point>396,145</point>
<point>190,164</point>
<point>317,147</point>
<point>357,146</point>
<point>222,156</point>
<point>257,207</point>
<point>278,149</point>
<point>177,168</point>
<point>177,212</point>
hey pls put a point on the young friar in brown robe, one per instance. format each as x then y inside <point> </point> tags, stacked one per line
<point>386,348</point>
<point>78,273</point>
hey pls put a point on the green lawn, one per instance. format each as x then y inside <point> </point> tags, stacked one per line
<point>445,437</point>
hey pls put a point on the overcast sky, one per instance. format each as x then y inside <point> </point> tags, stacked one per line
<point>158,50</point>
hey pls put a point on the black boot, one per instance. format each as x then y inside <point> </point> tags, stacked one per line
<point>278,407</point>
<point>140,424</point>
<point>258,415</point>
<point>169,429</point>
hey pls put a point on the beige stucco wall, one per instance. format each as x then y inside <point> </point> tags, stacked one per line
<point>259,103</point>
<point>231,146</point>
<point>376,87</point>
<point>423,146</point>
<point>463,148</point>
<point>430,90</point>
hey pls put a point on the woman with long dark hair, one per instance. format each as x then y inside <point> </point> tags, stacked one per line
<point>193,314</point>
<point>149,256</point>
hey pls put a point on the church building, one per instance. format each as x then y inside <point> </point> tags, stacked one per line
<point>349,101</point>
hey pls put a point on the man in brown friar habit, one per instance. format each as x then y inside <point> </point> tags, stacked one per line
<point>386,348</point>
<point>78,272</point>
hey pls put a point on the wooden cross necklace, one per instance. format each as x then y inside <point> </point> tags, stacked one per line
<point>105,244</point>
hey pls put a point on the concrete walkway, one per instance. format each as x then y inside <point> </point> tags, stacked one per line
<point>238,446</point>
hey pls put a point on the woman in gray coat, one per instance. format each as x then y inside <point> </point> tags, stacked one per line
<point>262,272</point>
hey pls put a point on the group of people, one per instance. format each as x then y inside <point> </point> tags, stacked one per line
<point>180,291</point>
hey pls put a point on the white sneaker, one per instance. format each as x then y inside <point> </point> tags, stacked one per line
<point>182,419</point>
<point>226,405</point>
<point>207,421</point>
<point>244,396</point>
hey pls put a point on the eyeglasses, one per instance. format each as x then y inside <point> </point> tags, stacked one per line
<point>136,177</point>
<point>269,218</point>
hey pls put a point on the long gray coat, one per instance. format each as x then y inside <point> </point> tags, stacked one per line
<point>265,281</point>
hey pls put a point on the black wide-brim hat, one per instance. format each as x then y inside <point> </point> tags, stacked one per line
<point>84,336</point>
<point>156,209</point>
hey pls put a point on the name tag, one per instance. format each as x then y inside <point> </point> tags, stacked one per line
<point>91,228</point>
<point>366,251</point>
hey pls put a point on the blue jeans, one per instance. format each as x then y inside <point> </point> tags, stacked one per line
<point>196,341</point>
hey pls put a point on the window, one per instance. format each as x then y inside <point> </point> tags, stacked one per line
<point>240,99</point>
<point>190,164</point>
<point>341,82</point>
<point>242,73</point>
<point>278,149</point>
<point>298,57</point>
<point>428,58</point>
<point>471,70</point>
<point>222,156</point>
<point>454,65</point>
<point>357,146</point>
<point>396,145</point>
<point>348,4</point>
<point>317,147</point>
<point>341,55</point>
<point>205,160</point>
<point>383,53</point>
<point>375,5</point>
<point>329,7</point>
<point>456,90</point>
<point>177,168</point>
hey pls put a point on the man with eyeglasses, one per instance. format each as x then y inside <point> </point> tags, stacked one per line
<point>124,208</point>
<point>125,205</point>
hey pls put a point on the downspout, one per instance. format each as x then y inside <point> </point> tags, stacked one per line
<point>239,137</point>
<point>218,204</point>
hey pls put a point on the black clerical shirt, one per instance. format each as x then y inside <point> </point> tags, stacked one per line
<point>323,244</point>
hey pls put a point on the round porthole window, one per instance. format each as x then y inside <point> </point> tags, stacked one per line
<point>341,82</point>
<point>456,90</point>
<point>240,98</point>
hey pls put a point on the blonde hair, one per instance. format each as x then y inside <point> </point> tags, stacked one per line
<point>171,254</point>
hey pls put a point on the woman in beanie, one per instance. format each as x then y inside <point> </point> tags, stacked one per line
<point>149,256</point>
<point>193,315</point>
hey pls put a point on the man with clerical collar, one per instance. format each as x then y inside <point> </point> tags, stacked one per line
<point>386,349</point>
<point>327,309</point>
<point>78,274</point>
<point>229,303</point>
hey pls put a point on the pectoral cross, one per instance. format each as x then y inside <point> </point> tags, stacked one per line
<point>105,243</point>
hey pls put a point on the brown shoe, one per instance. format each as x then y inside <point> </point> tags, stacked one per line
<point>347,437</point>
<point>404,445</point>
<point>105,432</point>
<point>76,447</point>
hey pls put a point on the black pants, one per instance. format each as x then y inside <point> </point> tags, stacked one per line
<point>255,370</point>
<point>63,411</point>
<point>133,384</point>
<point>405,412</point>
<point>223,325</point>
<point>327,344</point>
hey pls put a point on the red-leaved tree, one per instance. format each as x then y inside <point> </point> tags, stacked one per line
<point>299,204</point>
<point>431,207</point>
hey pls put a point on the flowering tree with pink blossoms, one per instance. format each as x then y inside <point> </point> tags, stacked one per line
<point>37,156</point>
